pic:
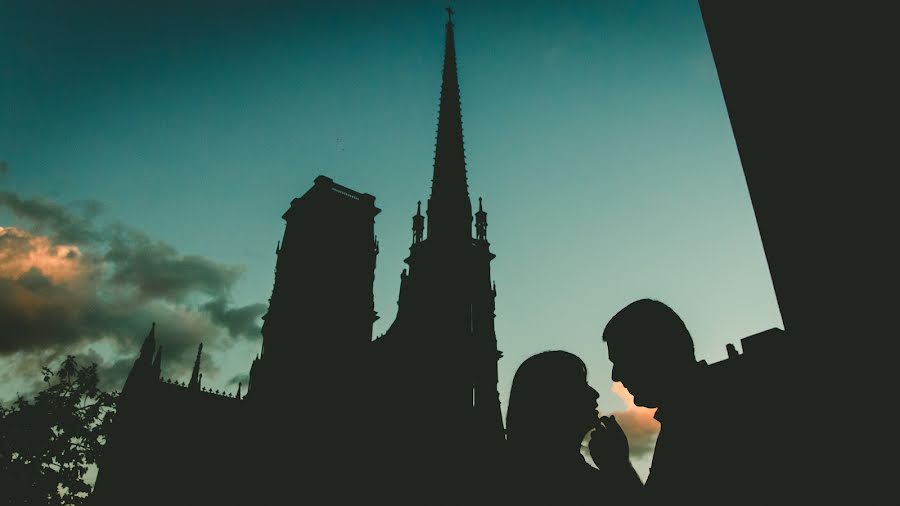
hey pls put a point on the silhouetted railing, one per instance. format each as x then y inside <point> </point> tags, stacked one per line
<point>182,385</point>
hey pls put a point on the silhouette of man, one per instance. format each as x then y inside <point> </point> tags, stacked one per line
<point>702,452</point>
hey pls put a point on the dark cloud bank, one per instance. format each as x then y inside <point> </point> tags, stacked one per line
<point>81,283</point>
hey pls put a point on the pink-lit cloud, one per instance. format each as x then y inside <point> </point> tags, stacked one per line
<point>20,252</point>
<point>636,421</point>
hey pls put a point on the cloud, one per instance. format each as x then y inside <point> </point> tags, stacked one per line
<point>637,422</point>
<point>156,270</point>
<point>48,217</point>
<point>240,321</point>
<point>69,286</point>
<point>21,252</point>
<point>243,379</point>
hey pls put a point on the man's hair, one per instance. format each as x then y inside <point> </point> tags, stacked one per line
<point>648,322</point>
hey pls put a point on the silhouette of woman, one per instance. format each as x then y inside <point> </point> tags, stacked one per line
<point>551,409</point>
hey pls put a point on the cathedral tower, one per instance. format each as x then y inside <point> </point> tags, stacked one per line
<point>442,346</point>
<point>322,309</point>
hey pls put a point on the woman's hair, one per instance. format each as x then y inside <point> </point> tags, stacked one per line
<point>544,389</point>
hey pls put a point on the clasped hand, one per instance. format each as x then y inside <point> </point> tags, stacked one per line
<point>608,445</point>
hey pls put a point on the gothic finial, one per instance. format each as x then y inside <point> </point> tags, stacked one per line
<point>418,226</point>
<point>480,222</point>
<point>450,13</point>
<point>238,396</point>
<point>196,377</point>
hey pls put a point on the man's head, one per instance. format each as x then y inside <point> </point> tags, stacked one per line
<point>651,350</point>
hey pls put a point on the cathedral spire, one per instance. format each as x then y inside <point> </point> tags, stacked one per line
<point>449,208</point>
<point>149,346</point>
<point>194,384</point>
<point>157,362</point>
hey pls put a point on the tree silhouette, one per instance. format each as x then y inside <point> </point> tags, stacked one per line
<point>47,444</point>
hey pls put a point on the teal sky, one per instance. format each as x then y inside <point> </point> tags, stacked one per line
<point>595,131</point>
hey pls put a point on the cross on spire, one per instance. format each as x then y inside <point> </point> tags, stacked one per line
<point>450,13</point>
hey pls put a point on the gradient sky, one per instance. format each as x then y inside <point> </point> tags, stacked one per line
<point>595,131</point>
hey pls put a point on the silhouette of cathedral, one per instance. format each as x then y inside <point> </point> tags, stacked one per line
<point>327,408</point>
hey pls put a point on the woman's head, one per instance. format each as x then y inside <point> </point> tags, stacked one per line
<point>550,400</point>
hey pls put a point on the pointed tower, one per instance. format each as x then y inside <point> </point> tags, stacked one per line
<point>149,346</point>
<point>440,353</point>
<point>196,377</point>
<point>449,208</point>
<point>145,369</point>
